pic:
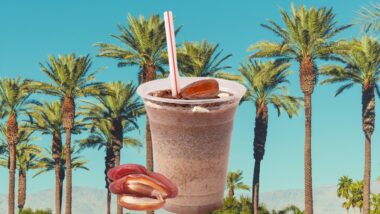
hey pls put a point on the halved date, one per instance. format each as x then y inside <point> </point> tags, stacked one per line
<point>125,169</point>
<point>202,89</point>
<point>132,202</point>
<point>141,185</point>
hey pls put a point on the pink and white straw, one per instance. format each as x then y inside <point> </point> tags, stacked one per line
<point>172,54</point>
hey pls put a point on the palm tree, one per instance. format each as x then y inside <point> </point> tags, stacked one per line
<point>234,182</point>
<point>70,79</point>
<point>305,38</point>
<point>265,82</point>
<point>144,42</point>
<point>26,157</point>
<point>200,59</point>
<point>121,109</point>
<point>362,66</point>
<point>47,119</point>
<point>14,95</point>
<point>344,191</point>
<point>292,209</point>
<point>101,138</point>
<point>375,203</point>
<point>369,17</point>
<point>46,163</point>
<point>356,195</point>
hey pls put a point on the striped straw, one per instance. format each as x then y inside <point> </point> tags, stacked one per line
<point>172,54</point>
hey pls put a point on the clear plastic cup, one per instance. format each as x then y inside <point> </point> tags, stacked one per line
<point>191,142</point>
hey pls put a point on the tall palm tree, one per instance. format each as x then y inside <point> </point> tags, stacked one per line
<point>200,59</point>
<point>375,203</point>
<point>47,119</point>
<point>143,44</point>
<point>234,182</point>
<point>26,157</point>
<point>356,195</point>
<point>344,191</point>
<point>46,163</point>
<point>369,17</point>
<point>70,79</point>
<point>121,107</point>
<point>305,39</point>
<point>101,138</point>
<point>266,86</point>
<point>14,95</point>
<point>362,66</point>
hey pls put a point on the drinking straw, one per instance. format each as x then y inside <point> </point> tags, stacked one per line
<point>172,54</point>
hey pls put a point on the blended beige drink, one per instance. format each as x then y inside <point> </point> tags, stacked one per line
<point>191,142</point>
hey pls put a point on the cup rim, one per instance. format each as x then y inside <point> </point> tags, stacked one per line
<point>144,89</point>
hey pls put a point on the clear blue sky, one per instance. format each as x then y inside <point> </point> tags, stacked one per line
<point>30,30</point>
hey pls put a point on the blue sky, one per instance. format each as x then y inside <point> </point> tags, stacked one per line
<point>30,30</point>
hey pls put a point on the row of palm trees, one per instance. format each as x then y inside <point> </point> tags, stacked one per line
<point>305,38</point>
<point>352,193</point>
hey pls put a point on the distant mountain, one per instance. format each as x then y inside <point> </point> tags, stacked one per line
<point>93,201</point>
<point>325,199</point>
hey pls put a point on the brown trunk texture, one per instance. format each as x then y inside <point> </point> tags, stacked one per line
<point>368,123</point>
<point>21,189</point>
<point>108,202</point>
<point>256,187</point>
<point>109,163</point>
<point>308,164</point>
<point>117,145</point>
<point>56,155</point>
<point>261,129</point>
<point>61,180</point>
<point>68,113</point>
<point>307,75</point>
<point>231,192</point>
<point>68,173</point>
<point>367,177</point>
<point>12,138</point>
<point>148,74</point>
<point>117,163</point>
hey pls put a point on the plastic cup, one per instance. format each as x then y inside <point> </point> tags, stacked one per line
<point>191,142</point>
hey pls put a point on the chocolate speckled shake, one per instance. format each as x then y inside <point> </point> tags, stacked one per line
<point>191,142</point>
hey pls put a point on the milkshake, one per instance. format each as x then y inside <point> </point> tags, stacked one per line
<point>191,142</point>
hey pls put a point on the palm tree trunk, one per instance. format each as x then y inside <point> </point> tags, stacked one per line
<point>68,115</point>
<point>117,163</point>
<point>117,144</point>
<point>307,81</point>
<point>12,165</point>
<point>56,155</point>
<point>231,192</point>
<point>61,180</point>
<point>368,123</point>
<point>68,173</point>
<point>346,211</point>
<point>108,202</point>
<point>21,189</point>
<point>354,210</point>
<point>308,164</point>
<point>148,73</point>
<point>255,187</point>
<point>109,163</point>
<point>12,138</point>
<point>261,129</point>
<point>367,177</point>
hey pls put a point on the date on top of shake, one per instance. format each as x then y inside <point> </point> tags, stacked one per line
<point>202,89</point>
